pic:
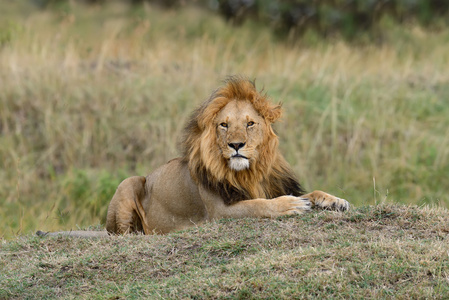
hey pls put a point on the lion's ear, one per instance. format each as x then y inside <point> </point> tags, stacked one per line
<point>274,113</point>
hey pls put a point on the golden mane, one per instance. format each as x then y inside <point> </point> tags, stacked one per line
<point>268,177</point>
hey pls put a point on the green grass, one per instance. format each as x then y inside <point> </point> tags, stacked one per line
<point>91,95</point>
<point>372,252</point>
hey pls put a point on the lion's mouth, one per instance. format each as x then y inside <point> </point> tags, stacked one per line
<point>238,162</point>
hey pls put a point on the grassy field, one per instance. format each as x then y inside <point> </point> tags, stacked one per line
<point>373,252</point>
<point>91,95</point>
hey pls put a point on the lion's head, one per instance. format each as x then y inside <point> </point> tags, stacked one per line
<point>231,148</point>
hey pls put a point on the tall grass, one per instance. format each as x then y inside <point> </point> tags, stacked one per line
<point>89,96</point>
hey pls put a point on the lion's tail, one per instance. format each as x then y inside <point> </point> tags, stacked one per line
<point>74,233</point>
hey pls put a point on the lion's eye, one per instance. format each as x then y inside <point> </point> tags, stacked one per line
<point>251,123</point>
<point>225,125</point>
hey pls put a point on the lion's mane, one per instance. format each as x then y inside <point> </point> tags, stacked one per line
<point>269,176</point>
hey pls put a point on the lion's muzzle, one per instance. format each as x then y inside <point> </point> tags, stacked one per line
<point>238,162</point>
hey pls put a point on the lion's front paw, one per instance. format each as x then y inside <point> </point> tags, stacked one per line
<point>289,205</point>
<point>327,201</point>
<point>340,204</point>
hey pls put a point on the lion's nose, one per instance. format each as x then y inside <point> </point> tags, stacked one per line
<point>236,146</point>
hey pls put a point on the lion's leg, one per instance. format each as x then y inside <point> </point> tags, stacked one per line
<point>253,208</point>
<point>125,212</point>
<point>327,201</point>
<point>271,208</point>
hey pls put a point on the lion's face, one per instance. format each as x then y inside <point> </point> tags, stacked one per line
<point>240,132</point>
<point>230,146</point>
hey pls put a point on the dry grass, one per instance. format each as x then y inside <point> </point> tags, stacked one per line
<point>89,96</point>
<point>374,252</point>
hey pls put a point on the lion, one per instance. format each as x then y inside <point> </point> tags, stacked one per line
<point>230,167</point>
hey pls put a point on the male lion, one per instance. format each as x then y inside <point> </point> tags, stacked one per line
<point>230,168</point>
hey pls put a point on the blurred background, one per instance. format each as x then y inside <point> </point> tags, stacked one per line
<point>92,92</point>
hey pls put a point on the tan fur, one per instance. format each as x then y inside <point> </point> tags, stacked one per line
<point>211,181</point>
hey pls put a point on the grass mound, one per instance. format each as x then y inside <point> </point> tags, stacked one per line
<point>383,251</point>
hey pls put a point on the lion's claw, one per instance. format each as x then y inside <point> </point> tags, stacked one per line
<point>342,204</point>
<point>303,203</point>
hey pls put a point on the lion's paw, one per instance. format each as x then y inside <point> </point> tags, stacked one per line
<point>340,204</point>
<point>327,201</point>
<point>290,205</point>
